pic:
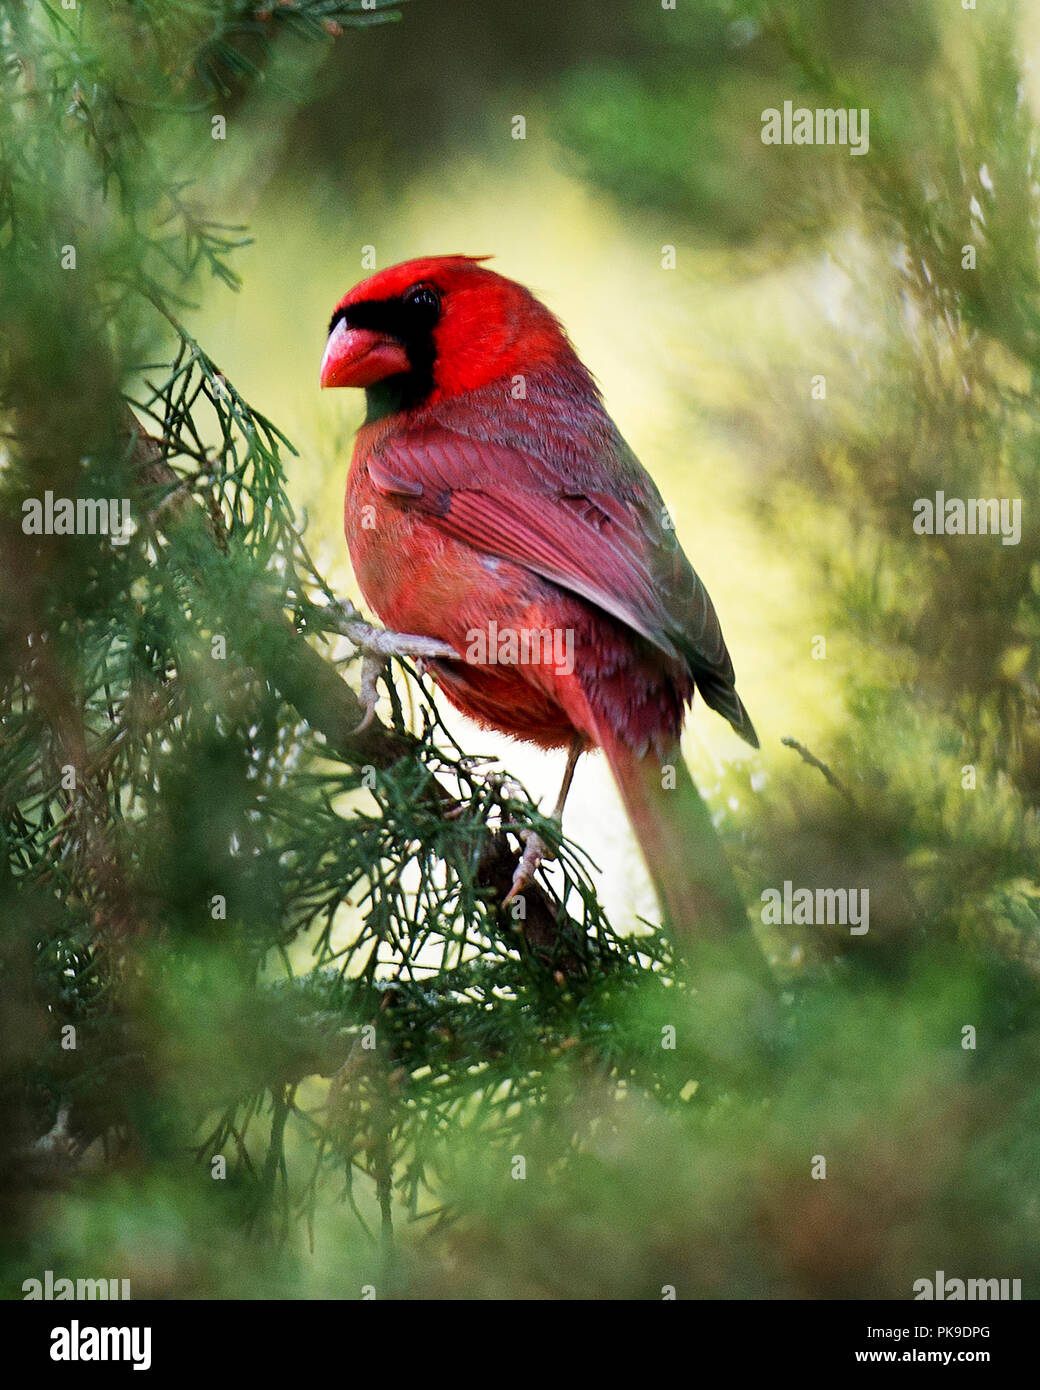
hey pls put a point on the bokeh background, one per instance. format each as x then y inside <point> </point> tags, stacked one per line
<point>630,148</point>
<point>691,1168</point>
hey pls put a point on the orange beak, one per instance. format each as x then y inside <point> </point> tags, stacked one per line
<point>361,357</point>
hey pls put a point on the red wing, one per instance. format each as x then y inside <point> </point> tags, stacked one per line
<point>587,541</point>
<point>616,549</point>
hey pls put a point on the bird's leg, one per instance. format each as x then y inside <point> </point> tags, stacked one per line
<point>576,749</point>
<point>377,645</point>
<point>535,848</point>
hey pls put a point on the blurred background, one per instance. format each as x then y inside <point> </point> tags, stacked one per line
<point>406,147</point>
<point>907,665</point>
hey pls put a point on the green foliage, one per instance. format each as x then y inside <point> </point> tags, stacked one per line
<point>931,367</point>
<point>177,840</point>
<point>280,940</point>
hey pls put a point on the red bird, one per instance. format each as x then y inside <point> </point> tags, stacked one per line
<point>491,496</point>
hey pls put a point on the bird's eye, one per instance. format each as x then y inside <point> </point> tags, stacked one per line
<point>425,298</point>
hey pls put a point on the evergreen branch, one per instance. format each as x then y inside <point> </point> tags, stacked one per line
<point>313,686</point>
<point>813,761</point>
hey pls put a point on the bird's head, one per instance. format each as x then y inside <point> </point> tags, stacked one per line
<point>434,328</point>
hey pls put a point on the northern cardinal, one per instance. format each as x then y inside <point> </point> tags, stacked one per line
<point>491,496</point>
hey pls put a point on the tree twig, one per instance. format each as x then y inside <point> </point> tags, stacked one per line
<point>814,761</point>
<point>313,686</point>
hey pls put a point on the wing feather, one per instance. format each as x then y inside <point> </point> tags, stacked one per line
<point>553,517</point>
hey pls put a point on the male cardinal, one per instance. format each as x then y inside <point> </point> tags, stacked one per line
<point>491,497</point>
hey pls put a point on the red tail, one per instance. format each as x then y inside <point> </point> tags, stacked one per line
<point>690,872</point>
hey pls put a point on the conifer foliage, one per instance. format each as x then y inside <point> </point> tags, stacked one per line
<point>266,1026</point>
<point>185,789</point>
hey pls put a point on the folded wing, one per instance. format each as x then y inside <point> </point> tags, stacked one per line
<point>615,549</point>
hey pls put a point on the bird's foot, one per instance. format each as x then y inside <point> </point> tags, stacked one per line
<point>377,645</point>
<point>535,851</point>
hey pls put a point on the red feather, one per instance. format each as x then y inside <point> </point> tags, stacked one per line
<point>505,494</point>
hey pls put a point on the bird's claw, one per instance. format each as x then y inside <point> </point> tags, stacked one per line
<point>535,850</point>
<point>372,668</point>
<point>377,645</point>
